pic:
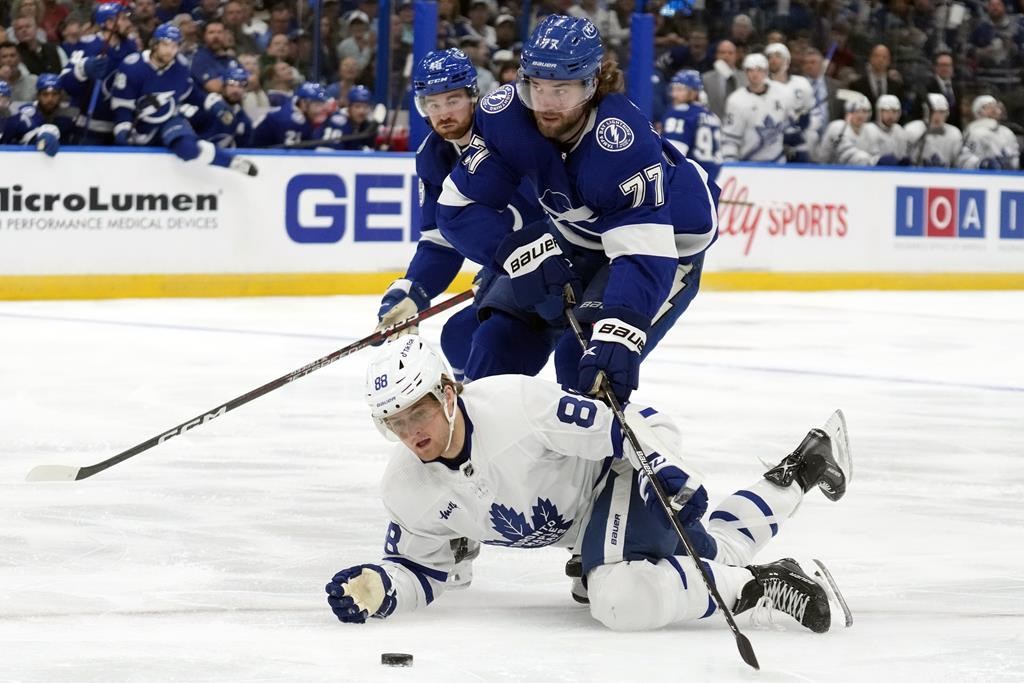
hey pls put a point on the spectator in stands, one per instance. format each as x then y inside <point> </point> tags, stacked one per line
<point>252,26</point>
<point>931,141</point>
<point>233,18</point>
<point>359,44</point>
<point>941,81</point>
<point>825,88</point>
<point>145,20</point>
<point>987,143</point>
<point>70,33</point>
<point>206,11</point>
<point>741,32</point>
<point>27,8</point>
<point>349,76</point>
<point>37,57</point>
<point>168,9</point>
<point>54,13</point>
<point>282,22</point>
<point>189,36</point>
<point>213,59</point>
<point>20,81</point>
<point>302,53</point>
<point>607,22</point>
<point>279,80</point>
<point>878,78</point>
<point>997,46</point>
<point>506,34</point>
<point>480,13</point>
<point>279,48</point>
<point>478,52</point>
<point>723,78</point>
<point>508,70</point>
<point>255,102</point>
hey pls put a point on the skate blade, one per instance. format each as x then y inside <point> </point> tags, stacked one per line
<point>835,427</point>
<point>823,577</point>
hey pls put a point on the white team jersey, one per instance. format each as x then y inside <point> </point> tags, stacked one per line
<point>933,148</point>
<point>800,95</point>
<point>842,144</point>
<point>755,124</point>
<point>892,140</point>
<point>537,454</point>
<point>987,139</point>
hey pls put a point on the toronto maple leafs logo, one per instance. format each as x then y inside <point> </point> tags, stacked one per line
<point>498,100</point>
<point>614,135</point>
<point>769,131</point>
<point>545,527</point>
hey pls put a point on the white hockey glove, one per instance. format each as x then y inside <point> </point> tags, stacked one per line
<point>403,300</point>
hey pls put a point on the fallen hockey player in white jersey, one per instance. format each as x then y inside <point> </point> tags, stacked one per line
<point>517,461</point>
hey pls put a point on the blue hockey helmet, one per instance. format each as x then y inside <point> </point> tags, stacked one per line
<point>5,89</point>
<point>169,32</point>
<point>360,93</point>
<point>107,11</point>
<point>236,74</point>
<point>561,48</point>
<point>47,82</point>
<point>689,78</point>
<point>443,71</point>
<point>311,90</point>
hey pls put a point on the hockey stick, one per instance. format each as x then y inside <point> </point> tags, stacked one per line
<point>68,473</point>
<point>746,649</point>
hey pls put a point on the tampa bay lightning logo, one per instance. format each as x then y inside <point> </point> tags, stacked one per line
<point>498,100</point>
<point>545,527</point>
<point>614,135</point>
<point>560,208</point>
<point>156,107</point>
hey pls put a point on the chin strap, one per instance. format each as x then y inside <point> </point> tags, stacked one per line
<point>451,422</point>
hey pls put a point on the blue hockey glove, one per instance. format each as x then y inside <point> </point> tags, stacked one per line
<point>689,507</point>
<point>538,270</point>
<point>48,140</point>
<point>360,592</point>
<point>990,164</point>
<point>404,299</point>
<point>216,105</point>
<point>121,136</point>
<point>96,67</point>
<point>887,160</point>
<point>614,352</point>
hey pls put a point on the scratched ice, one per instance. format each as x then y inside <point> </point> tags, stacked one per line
<point>204,559</point>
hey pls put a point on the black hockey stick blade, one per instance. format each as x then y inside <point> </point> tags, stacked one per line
<point>70,473</point>
<point>747,651</point>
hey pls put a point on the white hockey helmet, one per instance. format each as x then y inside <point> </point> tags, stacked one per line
<point>937,102</point>
<point>778,49</point>
<point>755,60</point>
<point>980,102</point>
<point>888,103</point>
<point>405,370</point>
<point>858,102</point>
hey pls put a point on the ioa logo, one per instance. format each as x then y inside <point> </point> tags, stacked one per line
<point>940,212</point>
<point>952,212</point>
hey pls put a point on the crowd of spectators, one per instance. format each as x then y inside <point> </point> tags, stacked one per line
<point>909,49</point>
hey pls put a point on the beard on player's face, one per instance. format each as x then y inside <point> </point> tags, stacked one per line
<point>555,125</point>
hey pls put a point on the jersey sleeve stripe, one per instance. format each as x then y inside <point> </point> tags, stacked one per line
<point>640,239</point>
<point>120,102</point>
<point>435,237</point>
<point>423,574</point>
<point>451,195</point>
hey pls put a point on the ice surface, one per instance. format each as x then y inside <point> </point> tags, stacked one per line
<point>204,559</point>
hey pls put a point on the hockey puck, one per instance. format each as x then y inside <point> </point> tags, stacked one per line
<point>396,659</point>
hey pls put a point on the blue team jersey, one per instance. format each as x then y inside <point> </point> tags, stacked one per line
<point>284,125</point>
<point>146,97</point>
<point>23,127</point>
<point>78,86</point>
<point>621,194</point>
<point>362,137</point>
<point>236,134</point>
<point>207,66</point>
<point>697,133</point>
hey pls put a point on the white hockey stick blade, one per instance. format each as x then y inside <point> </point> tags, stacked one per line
<point>824,577</point>
<point>53,473</point>
<point>835,427</point>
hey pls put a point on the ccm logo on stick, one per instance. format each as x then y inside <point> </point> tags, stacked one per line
<point>177,431</point>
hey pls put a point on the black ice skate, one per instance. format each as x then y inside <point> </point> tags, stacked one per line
<point>822,459</point>
<point>574,570</point>
<point>465,552</point>
<point>783,586</point>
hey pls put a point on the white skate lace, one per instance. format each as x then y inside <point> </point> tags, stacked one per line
<point>781,597</point>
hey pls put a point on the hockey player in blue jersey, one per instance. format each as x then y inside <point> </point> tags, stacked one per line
<point>445,92</point>
<point>97,57</point>
<point>238,131</point>
<point>5,103</point>
<point>631,216</point>
<point>295,121</point>
<point>43,123</point>
<point>353,129</point>
<point>689,126</point>
<point>153,93</point>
